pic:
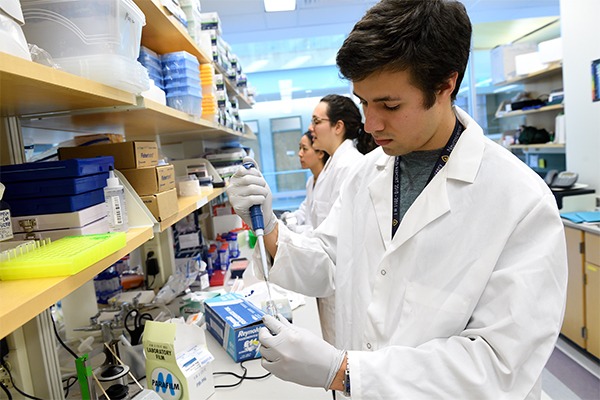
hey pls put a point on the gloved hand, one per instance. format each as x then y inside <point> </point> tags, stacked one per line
<point>247,187</point>
<point>297,355</point>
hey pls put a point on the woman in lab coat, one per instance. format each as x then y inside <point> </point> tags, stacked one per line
<point>449,283</point>
<point>302,219</point>
<point>336,125</point>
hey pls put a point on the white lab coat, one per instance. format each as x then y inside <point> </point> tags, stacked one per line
<point>466,301</point>
<point>336,170</point>
<point>304,212</point>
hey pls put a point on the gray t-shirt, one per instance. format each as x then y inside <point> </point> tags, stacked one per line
<point>415,169</point>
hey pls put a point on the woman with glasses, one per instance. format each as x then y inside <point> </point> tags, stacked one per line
<point>303,219</point>
<point>337,129</point>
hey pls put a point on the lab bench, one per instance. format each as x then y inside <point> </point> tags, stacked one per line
<point>581,323</point>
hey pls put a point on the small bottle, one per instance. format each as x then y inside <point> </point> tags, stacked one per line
<point>114,195</point>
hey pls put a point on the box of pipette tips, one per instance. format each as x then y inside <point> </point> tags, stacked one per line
<point>234,322</point>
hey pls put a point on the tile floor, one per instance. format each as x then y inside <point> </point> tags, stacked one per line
<point>571,374</point>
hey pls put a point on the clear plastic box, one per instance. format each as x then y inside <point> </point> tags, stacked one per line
<point>188,103</point>
<point>72,28</point>
<point>193,82</point>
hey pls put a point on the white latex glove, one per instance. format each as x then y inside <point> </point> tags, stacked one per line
<point>297,355</point>
<point>248,187</point>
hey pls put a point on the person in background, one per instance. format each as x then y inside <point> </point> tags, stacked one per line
<point>445,253</point>
<point>302,220</point>
<point>336,126</point>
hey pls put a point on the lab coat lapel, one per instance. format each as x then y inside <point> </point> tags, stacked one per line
<point>380,191</point>
<point>429,205</point>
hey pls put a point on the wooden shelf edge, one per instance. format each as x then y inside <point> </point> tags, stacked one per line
<point>550,69</point>
<point>22,300</point>
<point>187,205</point>
<point>518,113</point>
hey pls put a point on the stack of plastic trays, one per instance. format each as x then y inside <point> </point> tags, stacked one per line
<point>192,10</point>
<point>209,92</point>
<point>181,77</point>
<point>151,61</point>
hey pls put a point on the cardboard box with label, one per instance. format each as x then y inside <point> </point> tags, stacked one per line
<point>178,363</point>
<point>147,181</point>
<point>234,322</point>
<point>162,205</point>
<point>136,154</point>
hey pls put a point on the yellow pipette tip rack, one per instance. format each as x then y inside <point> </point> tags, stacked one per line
<point>63,257</point>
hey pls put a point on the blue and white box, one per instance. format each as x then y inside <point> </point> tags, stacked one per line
<point>234,322</point>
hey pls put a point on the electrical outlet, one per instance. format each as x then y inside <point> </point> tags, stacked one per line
<point>4,376</point>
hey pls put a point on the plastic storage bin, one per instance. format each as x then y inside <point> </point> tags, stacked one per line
<point>185,100</point>
<point>12,40</point>
<point>74,28</point>
<point>111,69</point>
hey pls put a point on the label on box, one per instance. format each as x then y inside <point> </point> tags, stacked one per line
<point>234,322</point>
<point>5,225</point>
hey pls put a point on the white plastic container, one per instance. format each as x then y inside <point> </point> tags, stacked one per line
<point>114,195</point>
<point>72,28</point>
<point>12,39</point>
<point>111,69</point>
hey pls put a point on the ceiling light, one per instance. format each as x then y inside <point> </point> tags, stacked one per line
<point>279,5</point>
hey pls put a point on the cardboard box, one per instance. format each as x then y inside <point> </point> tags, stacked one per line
<point>126,154</point>
<point>152,180</point>
<point>162,205</point>
<point>234,322</point>
<point>503,60</point>
<point>551,50</point>
<point>178,363</point>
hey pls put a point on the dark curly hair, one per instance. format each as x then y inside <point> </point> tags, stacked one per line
<point>342,108</point>
<point>430,39</point>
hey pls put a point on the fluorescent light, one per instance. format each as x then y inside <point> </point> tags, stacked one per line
<point>296,62</point>
<point>279,5</point>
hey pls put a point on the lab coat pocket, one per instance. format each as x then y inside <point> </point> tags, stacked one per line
<point>433,313</point>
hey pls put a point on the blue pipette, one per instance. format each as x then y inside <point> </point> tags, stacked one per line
<point>258,226</point>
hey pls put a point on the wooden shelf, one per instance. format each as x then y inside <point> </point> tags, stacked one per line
<point>24,299</point>
<point>552,69</point>
<point>507,114</point>
<point>146,120</point>
<point>538,146</point>
<point>31,88</point>
<point>187,205</point>
<point>163,33</point>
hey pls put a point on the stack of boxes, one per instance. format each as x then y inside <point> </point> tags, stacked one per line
<point>181,78</point>
<point>192,11</point>
<point>54,199</point>
<point>209,93</point>
<point>138,162</point>
<point>151,61</point>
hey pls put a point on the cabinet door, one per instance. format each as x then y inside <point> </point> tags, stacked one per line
<point>574,320</point>
<point>592,292</point>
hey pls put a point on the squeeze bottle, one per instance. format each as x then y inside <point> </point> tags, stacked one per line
<point>114,195</point>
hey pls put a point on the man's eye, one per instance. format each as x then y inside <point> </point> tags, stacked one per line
<point>391,108</point>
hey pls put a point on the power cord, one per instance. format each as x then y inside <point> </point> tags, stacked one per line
<point>63,344</point>
<point>240,377</point>
<point>5,389</point>
<point>15,386</point>
<point>69,382</point>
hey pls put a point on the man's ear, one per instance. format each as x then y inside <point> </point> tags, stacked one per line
<point>448,86</point>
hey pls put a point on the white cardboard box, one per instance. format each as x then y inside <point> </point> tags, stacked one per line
<point>503,60</point>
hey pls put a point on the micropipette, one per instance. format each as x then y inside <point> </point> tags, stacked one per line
<point>258,227</point>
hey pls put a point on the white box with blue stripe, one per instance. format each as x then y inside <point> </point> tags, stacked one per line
<point>234,322</point>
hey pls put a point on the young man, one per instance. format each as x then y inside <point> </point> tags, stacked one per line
<point>445,253</point>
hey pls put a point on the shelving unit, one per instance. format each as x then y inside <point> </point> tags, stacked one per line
<point>163,33</point>
<point>22,300</point>
<point>41,97</point>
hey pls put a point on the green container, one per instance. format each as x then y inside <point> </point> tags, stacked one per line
<point>251,239</point>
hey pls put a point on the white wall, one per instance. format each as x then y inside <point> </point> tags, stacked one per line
<point>579,25</point>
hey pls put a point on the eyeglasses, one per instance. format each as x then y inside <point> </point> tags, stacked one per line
<point>317,120</point>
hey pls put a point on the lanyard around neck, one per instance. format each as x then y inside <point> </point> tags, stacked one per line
<point>439,164</point>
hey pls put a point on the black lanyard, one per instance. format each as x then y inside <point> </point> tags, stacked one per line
<point>439,164</point>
